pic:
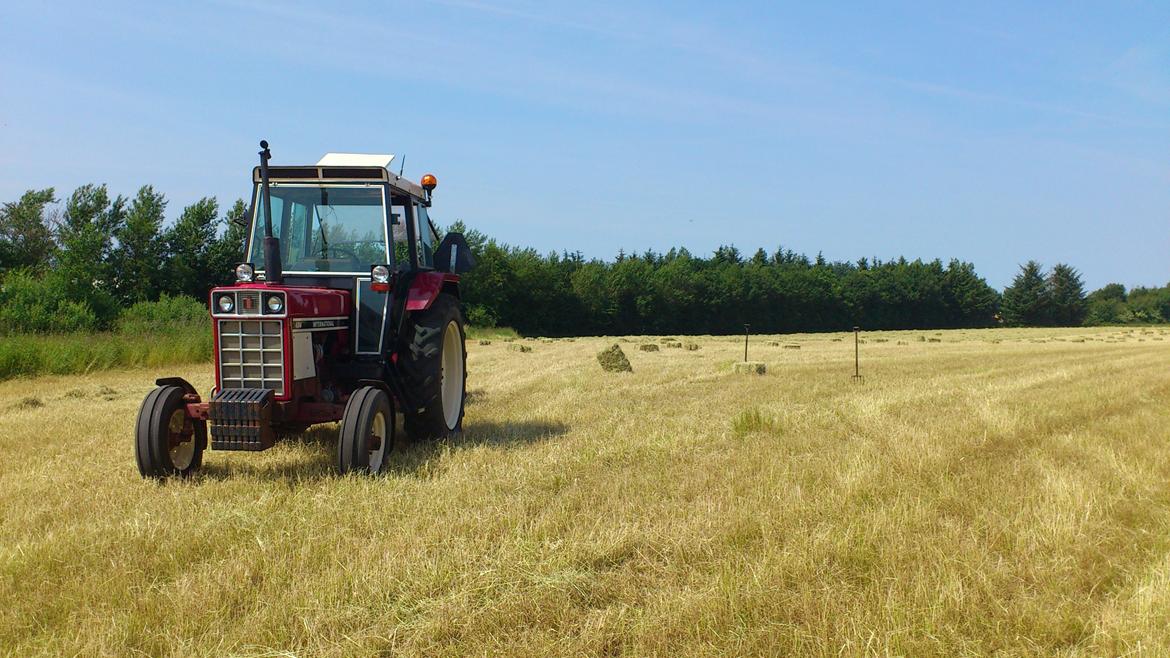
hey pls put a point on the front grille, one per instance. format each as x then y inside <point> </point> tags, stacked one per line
<point>251,354</point>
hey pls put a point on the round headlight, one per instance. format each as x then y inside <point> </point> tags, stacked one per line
<point>245,272</point>
<point>226,303</point>
<point>275,304</point>
<point>380,274</point>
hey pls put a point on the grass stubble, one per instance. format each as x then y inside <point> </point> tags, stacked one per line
<point>985,493</point>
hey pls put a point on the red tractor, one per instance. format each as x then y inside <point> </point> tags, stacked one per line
<point>347,310</point>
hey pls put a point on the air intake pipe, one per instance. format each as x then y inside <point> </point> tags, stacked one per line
<point>273,269</point>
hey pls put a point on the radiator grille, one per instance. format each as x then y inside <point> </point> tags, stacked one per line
<point>251,354</point>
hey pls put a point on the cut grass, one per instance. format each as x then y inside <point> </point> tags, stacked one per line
<point>966,499</point>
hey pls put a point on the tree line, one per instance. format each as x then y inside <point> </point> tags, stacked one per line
<point>76,263</point>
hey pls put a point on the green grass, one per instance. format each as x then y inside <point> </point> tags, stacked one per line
<point>70,354</point>
<point>28,355</point>
<point>490,333</point>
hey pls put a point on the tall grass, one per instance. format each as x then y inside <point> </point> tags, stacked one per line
<point>77,353</point>
<point>141,340</point>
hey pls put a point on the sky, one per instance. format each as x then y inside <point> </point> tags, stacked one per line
<point>992,132</point>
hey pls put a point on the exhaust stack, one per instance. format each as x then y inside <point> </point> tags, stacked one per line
<point>273,268</point>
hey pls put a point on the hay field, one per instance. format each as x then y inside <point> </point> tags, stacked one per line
<point>982,491</point>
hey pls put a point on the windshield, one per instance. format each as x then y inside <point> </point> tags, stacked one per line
<point>324,228</point>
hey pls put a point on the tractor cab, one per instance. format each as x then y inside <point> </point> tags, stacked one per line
<point>345,309</point>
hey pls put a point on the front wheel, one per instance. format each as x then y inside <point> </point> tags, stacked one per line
<point>367,432</point>
<point>435,364</point>
<point>167,442</point>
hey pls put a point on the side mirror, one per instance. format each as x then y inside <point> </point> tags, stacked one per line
<point>242,220</point>
<point>453,255</point>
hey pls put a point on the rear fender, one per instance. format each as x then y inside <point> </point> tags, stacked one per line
<point>426,287</point>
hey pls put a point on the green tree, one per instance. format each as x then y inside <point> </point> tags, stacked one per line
<point>228,249</point>
<point>140,250</point>
<point>1026,301</point>
<point>26,232</point>
<point>1066,296</point>
<point>969,300</point>
<point>188,245</point>
<point>1107,305</point>
<point>85,263</point>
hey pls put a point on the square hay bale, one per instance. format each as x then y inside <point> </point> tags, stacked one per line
<point>750,367</point>
<point>547,340</point>
<point>614,359</point>
<point>791,346</point>
<point>773,343</point>
<point>674,344</point>
<point>648,347</point>
<point>517,347</point>
<point>934,340</point>
<point>691,347</point>
<point>484,341</point>
<point>902,342</point>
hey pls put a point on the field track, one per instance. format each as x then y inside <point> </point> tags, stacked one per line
<point>981,491</point>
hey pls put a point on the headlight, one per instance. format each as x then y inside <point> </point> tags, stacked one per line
<point>226,303</point>
<point>275,304</point>
<point>245,272</point>
<point>380,274</point>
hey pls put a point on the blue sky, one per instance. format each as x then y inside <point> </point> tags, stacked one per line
<point>995,132</point>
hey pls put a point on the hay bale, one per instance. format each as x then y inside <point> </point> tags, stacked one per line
<point>691,347</point>
<point>792,346</point>
<point>934,340</point>
<point>483,341</point>
<point>648,347</point>
<point>614,359</point>
<point>517,347</point>
<point>674,344</point>
<point>509,340</point>
<point>902,342</point>
<point>547,340</point>
<point>667,339</point>
<point>750,367</point>
<point>773,343</point>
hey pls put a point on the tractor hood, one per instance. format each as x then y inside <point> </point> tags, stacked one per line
<point>306,302</point>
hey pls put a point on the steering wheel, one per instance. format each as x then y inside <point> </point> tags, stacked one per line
<point>346,252</point>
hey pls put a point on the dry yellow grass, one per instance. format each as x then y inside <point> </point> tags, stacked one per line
<point>997,491</point>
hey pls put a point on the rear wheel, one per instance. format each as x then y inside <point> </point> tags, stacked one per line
<point>435,365</point>
<point>167,442</point>
<point>367,432</point>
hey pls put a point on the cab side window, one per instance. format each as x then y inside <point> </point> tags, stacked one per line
<point>426,236</point>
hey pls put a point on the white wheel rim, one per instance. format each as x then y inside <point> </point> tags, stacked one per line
<point>378,429</point>
<point>183,453</point>
<point>452,375</point>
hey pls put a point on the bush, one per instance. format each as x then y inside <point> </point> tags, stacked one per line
<point>29,304</point>
<point>168,314</point>
<point>481,316</point>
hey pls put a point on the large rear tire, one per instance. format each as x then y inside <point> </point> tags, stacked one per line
<point>167,442</point>
<point>367,432</point>
<point>435,365</point>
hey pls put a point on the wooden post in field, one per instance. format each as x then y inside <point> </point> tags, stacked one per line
<point>856,354</point>
<point>746,331</point>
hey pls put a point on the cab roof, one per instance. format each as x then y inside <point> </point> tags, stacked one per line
<point>337,167</point>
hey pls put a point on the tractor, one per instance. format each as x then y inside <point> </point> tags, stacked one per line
<point>347,308</point>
